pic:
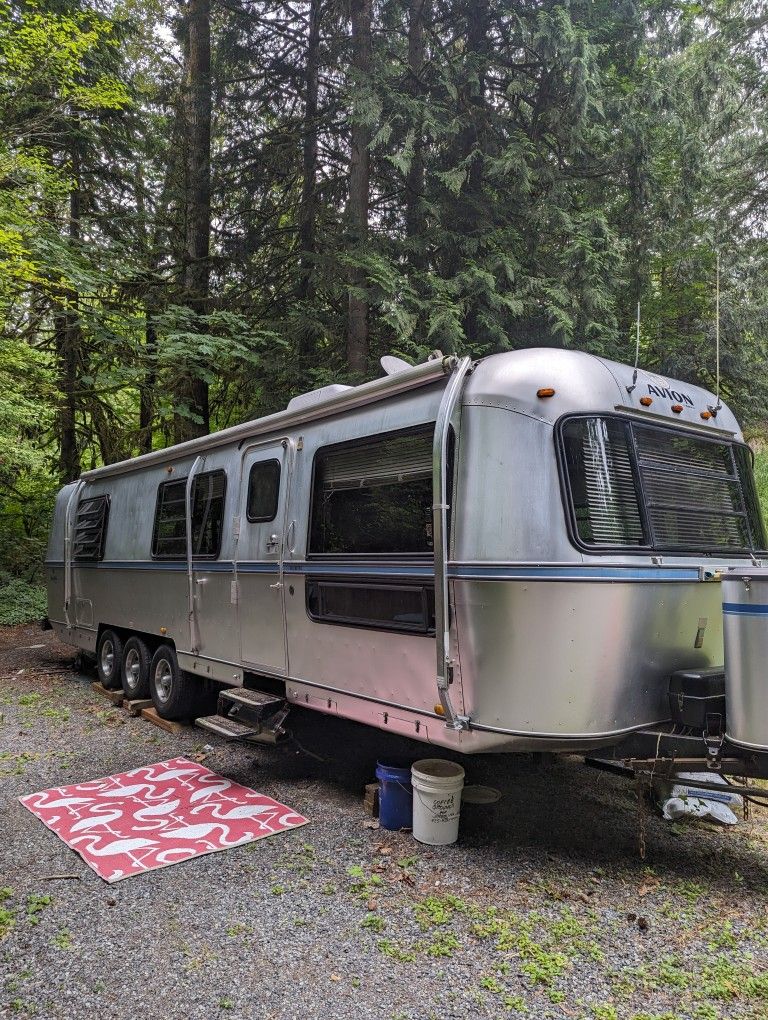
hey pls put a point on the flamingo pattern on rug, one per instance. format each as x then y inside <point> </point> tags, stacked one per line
<point>157,815</point>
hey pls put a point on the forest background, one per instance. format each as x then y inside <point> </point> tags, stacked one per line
<point>207,206</point>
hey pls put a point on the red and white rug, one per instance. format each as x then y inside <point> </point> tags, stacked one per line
<point>157,815</point>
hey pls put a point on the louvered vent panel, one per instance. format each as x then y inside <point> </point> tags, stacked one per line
<point>692,491</point>
<point>90,529</point>
<point>684,529</point>
<point>675,490</point>
<point>666,449</point>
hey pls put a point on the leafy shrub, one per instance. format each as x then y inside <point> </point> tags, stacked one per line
<point>21,602</point>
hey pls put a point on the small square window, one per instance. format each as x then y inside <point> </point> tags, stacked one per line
<point>263,491</point>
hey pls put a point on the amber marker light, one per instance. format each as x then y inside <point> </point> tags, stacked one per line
<point>163,630</point>
<point>545,391</point>
<point>677,408</point>
<point>646,401</point>
<point>706,415</point>
<point>439,710</point>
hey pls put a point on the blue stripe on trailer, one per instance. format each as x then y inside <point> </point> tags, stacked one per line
<point>481,572</point>
<point>469,572</point>
<point>737,609</point>
<point>360,569</point>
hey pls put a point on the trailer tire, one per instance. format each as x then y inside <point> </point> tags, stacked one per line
<point>134,674</point>
<point>174,693</point>
<point>109,659</point>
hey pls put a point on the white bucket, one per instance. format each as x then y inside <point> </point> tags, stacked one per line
<point>437,786</point>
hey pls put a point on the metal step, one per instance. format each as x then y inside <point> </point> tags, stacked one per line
<point>225,727</point>
<point>258,703</point>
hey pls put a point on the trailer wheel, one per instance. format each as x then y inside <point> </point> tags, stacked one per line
<point>174,693</point>
<point>109,658</point>
<point>135,672</point>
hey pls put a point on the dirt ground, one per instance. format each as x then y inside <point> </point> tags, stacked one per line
<point>543,909</point>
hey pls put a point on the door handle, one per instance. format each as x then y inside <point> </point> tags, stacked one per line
<point>277,584</point>
<point>273,541</point>
<point>201,580</point>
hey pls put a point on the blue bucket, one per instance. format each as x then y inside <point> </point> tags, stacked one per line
<point>395,794</point>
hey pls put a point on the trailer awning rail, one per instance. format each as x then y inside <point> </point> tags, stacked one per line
<point>356,396</point>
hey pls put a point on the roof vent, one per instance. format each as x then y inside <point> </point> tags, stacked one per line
<point>316,396</point>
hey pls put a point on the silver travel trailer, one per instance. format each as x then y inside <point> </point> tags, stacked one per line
<point>510,555</point>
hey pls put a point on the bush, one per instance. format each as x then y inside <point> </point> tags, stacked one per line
<point>21,602</point>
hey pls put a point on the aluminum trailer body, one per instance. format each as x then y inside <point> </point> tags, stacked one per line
<point>512,555</point>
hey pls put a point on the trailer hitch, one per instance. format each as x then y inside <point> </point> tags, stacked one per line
<point>714,735</point>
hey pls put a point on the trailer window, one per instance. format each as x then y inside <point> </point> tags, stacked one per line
<point>374,497</point>
<point>381,606</point>
<point>91,529</point>
<point>169,540</point>
<point>632,485</point>
<point>263,491</point>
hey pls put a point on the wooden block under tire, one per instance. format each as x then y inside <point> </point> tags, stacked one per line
<point>135,707</point>
<point>169,725</point>
<point>371,799</point>
<point>115,696</point>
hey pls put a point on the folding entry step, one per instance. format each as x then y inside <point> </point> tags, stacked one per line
<point>225,727</point>
<point>246,714</point>
<point>257,703</point>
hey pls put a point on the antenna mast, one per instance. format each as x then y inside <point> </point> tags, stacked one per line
<point>637,351</point>
<point>717,333</point>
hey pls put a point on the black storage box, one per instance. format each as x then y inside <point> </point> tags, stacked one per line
<point>696,693</point>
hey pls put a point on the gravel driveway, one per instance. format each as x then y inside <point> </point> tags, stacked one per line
<point>543,909</point>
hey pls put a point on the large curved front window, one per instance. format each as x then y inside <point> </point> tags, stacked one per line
<point>635,486</point>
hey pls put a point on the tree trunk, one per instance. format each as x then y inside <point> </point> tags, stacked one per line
<point>146,390</point>
<point>67,335</point>
<point>308,205</point>
<point>415,219</point>
<point>473,143</point>
<point>66,356</point>
<point>193,391</point>
<point>359,193</point>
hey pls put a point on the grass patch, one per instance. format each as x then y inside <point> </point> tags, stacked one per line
<point>63,940</point>
<point>396,952</point>
<point>35,906</point>
<point>435,910</point>
<point>7,921</point>
<point>443,944</point>
<point>363,885</point>
<point>374,923</point>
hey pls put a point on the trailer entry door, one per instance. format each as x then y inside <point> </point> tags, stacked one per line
<point>261,551</point>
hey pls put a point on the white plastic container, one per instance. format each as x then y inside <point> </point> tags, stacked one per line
<point>437,786</point>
